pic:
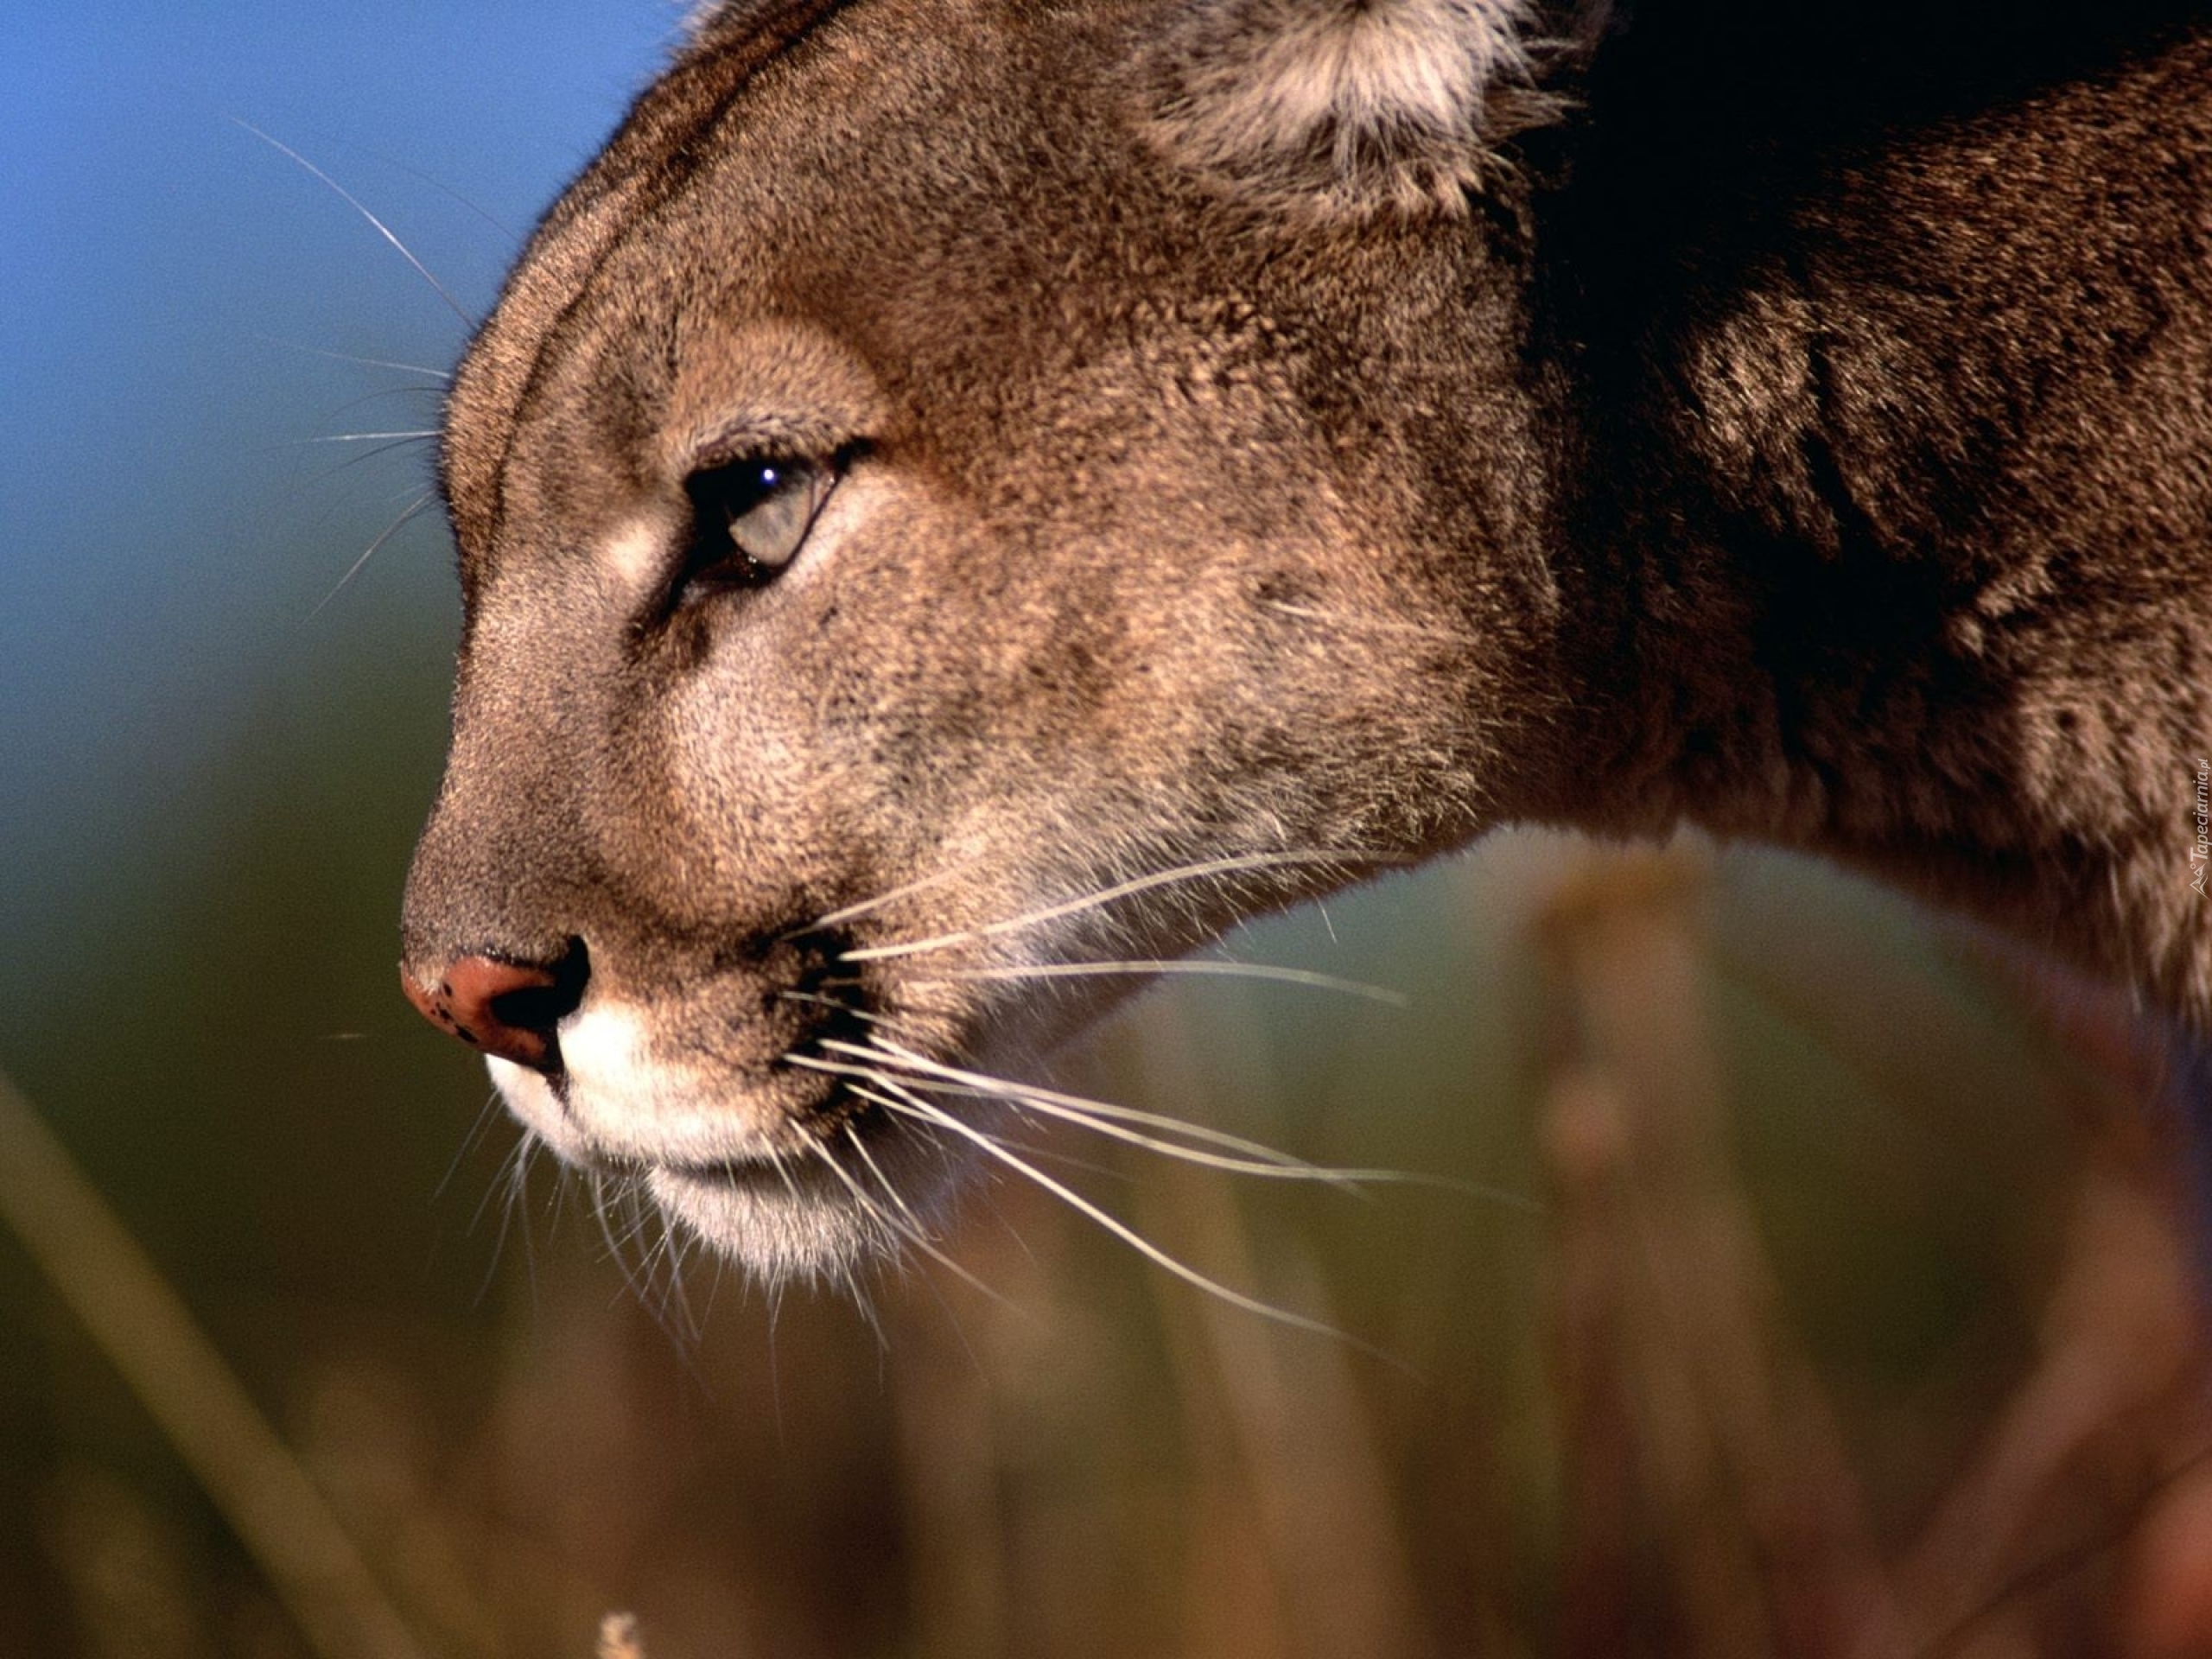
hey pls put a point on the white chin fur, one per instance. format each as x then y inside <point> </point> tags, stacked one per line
<point>776,1234</point>
<point>530,1098</point>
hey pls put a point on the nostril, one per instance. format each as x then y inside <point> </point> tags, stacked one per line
<point>510,1009</point>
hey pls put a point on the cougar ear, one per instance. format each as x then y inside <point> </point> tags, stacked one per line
<point>1344,106</point>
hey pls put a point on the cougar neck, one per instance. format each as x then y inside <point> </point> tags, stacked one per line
<point>1889,520</point>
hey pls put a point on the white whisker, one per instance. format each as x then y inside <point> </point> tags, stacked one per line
<point>502,1186</point>
<point>1138,1242</point>
<point>669,1253</point>
<point>361,457</point>
<point>1049,1155</point>
<point>1103,1117</point>
<point>887,1232</point>
<point>353,201</point>
<point>866,905</point>
<point>348,357</point>
<point>783,1171</point>
<point>911,1229</point>
<point>1198,966</point>
<point>1236,865</point>
<point>885,1021</point>
<point>509,1186</point>
<point>520,1202</point>
<point>1004,1088</point>
<point>369,552</point>
<point>920,1233</point>
<point>1092,1115</point>
<point>1275,1167</point>
<point>382,395</point>
<point>452,194</point>
<point>637,1279</point>
<point>367,437</point>
<point>486,1116</point>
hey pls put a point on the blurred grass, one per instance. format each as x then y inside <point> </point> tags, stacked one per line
<point>1854,1296</point>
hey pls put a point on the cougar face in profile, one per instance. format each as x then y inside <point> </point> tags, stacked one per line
<point>964,495</point>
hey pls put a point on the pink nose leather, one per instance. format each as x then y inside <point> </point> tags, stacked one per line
<point>502,1007</point>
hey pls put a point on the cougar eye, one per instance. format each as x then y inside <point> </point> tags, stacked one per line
<point>750,517</point>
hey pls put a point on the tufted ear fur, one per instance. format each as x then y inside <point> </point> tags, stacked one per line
<point>1345,107</point>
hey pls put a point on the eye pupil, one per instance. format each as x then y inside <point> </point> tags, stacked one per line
<point>751,518</point>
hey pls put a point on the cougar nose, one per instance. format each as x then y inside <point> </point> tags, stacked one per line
<point>507,1008</point>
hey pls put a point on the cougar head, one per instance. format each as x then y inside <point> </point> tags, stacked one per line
<point>958,498</point>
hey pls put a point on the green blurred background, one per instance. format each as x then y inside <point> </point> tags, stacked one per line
<point>1770,1347</point>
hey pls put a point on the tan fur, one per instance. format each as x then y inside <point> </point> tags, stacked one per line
<point>1251,447</point>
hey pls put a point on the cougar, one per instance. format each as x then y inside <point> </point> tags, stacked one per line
<point>964,501</point>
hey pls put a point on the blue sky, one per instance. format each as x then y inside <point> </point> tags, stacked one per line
<point>170,524</point>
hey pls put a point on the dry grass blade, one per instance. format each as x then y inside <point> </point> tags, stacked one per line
<point>150,1337</point>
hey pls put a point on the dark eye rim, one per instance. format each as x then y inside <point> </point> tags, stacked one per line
<point>720,490</point>
<point>719,497</point>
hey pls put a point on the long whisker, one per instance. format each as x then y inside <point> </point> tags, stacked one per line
<point>503,1181</point>
<point>887,1229</point>
<point>670,1309</point>
<point>910,1230</point>
<point>783,1171</point>
<point>485,1116</point>
<point>381,395</point>
<point>367,437</point>
<point>353,201</point>
<point>447,191</point>
<point>1265,1162</point>
<point>1103,1117</point>
<point>1236,865</point>
<point>413,510</point>
<point>1198,966</point>
<point>1049,1155</point>
<point>510,1188</point>
<point>348,357</point>
<point>1143,1245</point>
<point>1270,1168</point>
<point>557,1201</point>
<point>866,905</point>
<point>1274,1165</point>
<point>881,1021</point>
<point>519,1203</point>
<point>616,1243</point>
<point>906,1123</point>
<point>1006,1089</point>
<point>921,1232</point>
<point>676,1302</point>
<point>359,457</point>
<point>636,1278</point>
